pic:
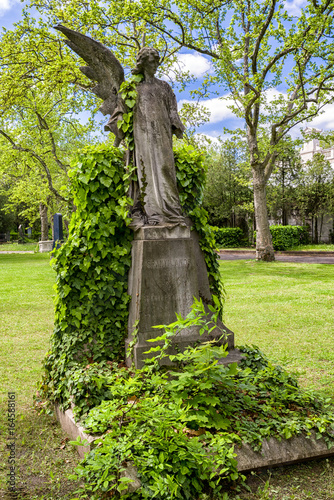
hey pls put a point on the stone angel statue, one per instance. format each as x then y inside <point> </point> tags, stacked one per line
<point>155,120</point>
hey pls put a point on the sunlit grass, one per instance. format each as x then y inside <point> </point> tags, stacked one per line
<point>22,247</point>
<point>287,309</point>
<point>322,247</point>
<point>26,323</point>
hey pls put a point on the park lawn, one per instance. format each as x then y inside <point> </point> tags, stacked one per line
<point>19,247</point>
<point>322,247</point>
<point>26,323</point>
<point>286,309</point>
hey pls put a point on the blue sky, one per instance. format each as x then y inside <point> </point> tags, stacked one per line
<point>221,115</point>
<point>10,12</point>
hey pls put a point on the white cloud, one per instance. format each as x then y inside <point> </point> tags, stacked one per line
<point>217,107</point>
<point>196,64</point>
<point>324,121</point>
<point>204,139</point>
<point>293,7</point>
<point>6,5</point>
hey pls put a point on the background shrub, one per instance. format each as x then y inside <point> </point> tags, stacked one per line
<point>285,237</point>
<point>228,237</point>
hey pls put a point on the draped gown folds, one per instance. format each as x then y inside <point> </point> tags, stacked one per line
<point>155,120</point>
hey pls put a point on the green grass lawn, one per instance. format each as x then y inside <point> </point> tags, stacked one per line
<point>21,247</point>
<point>286,309</point>
<point>26,323</point>
<point>322,247</point>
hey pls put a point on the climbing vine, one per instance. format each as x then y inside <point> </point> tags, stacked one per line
<point>129,95</point>
<point>91,302</point>
<point>190,174</point>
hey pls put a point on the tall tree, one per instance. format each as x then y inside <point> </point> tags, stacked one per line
<point>255,48</point>
<point>39,124</point>
<point>228,194</point>
<point>315,193</point>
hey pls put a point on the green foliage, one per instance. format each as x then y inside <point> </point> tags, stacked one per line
<point>129,95</point>
<point>91,303</point>
<point>169,425</point>
<point>190,174</point>
<point>283,185</point>
<point>39,125</point>
<point>228,195</point>
<point>155,422</point>
<point>228,237</point>
<point>285,237</point>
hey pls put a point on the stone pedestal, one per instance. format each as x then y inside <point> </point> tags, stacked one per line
<point>166,274</point>
<point>45,246</point>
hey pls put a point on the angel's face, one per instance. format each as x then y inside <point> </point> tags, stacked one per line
<point>149,62</point>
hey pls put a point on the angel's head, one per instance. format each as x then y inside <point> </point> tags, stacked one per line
<point>148,60</point>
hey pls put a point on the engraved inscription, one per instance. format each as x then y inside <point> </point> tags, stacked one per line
<point>159,263</point>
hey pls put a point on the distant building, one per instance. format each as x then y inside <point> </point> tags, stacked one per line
<point>326,223</point>
<point>313,146</point>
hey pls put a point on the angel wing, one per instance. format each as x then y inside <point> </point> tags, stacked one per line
<point>103,67</point>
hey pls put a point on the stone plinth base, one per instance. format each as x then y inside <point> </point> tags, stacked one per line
<point>45,246</point>
<point>73,430</point>
<point>167,272</point>
<point>288,451</point>
<point>274,453</point>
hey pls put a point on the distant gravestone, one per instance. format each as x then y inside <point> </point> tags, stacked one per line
<point>29,232</point>
<point>21,233</point>
<point>58,230</point>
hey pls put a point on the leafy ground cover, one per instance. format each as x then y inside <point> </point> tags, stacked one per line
<point>286,309</point>
<point>22,247</point>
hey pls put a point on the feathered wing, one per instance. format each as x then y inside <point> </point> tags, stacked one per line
<point>103,67</point>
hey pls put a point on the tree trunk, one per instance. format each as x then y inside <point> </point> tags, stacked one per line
<point>264,245</point>
<point>321,225</point>
<point>316,236</point>
<point>43,211</point>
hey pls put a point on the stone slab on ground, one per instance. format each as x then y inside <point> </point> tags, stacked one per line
<point>73,430</point>
<point>16,251</point>
<point>45,246</point>
<point>285,452</point>
<point>274,452</point>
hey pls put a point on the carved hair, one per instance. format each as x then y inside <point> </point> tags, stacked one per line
<point>142,55</point>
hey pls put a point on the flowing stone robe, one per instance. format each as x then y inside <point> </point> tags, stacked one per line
<point>155,120</point>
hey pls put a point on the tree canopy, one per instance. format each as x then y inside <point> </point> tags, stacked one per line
<point>277,68</point>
